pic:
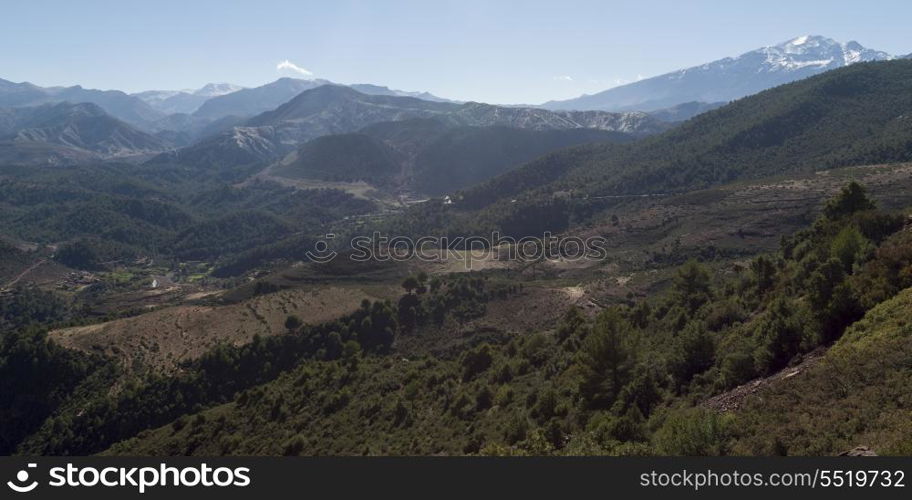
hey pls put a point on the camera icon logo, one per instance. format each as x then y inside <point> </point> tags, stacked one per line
<point>321,253</point>
<point>19,485</point>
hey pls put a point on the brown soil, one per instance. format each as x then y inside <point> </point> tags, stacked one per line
<point>734,399</point>
<point>162,339</point>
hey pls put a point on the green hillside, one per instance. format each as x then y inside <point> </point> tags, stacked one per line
<point>428,156</point>
<point>110,212</point>
<point>851,116</point>
<point>858,394</point>
<point>633,379</point>
<point>344,157</point>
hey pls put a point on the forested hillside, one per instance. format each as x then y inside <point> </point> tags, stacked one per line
<point>429,156</point>
<point>857,115</point>
<point>97,214</point>
<point>632,380</point>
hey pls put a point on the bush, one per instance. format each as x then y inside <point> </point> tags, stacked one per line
<point>294,446</point>
<point>293,322</point>
<point>851,199</point>
<point>695,352</point>
<point>605,360</point>
<point>476,361</point>
<point>693,432</point>
<point>691,286</point>
<point>780,336</point>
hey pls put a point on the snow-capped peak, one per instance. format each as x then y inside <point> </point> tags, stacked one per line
<point>217,89</point>
<point>801,40</point>
<point>814,51</point>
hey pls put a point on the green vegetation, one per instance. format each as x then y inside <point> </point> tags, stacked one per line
<point>802,351</point>
<point>629,381</point>
<point>344,157</point>
<point>99,215</point>
<point>91,418</point>
<point>428,156</point>
<point>858,393</point>
<point>850,116</point>
<point>36,379</point>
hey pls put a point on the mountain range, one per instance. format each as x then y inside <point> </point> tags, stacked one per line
<point>253,101</point>
<point>335,109</point>
<point>428,156</point>
<point>185,111</point>
<point>857,115</point>
<point>185,101</point>
<point>189,281</point>
<point>225,124</point>
<point>120,105</point>
<point>730,78</point>
<point>71,132</point>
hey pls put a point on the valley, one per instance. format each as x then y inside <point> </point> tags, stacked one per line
<point>178,271</point>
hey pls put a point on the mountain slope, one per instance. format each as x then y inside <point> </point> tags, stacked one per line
<point>239,147</point>
<point>253,101</point>
<point>178,101</point>
<point>249,102</point>
<point>856,391</point>
<point>124,107</point>
<point>546,389</point>
<point>20,94</point>
<point>370,89</point>
<point>85,127</point>
<point>730,78</point>
<point>428,156</point>
<point>333,109</point>
<point>336,109</point>
<point>486,115</point>
<point>344,157</point>
<point>685,111</point>
<point>853,116</point>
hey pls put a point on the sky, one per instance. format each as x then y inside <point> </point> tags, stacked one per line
<point>491,51</point>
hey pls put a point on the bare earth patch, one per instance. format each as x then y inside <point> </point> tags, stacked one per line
<point>164,338</point>
<point>734,399</point>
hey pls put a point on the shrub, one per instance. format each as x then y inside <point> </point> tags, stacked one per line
<point>605,360</point>
<point>693,432</point>
<point>476,361</point>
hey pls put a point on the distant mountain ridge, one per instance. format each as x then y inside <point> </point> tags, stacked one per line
<point>857,115</point>
<point>65,133</point>
<point>253,101</point>
<point>336,109</point>
<point>685,111</point>
<point>370,89</point>
<point>124,107</point>
<point>428,156</point>
<point>730,78</point>
<point>184,111</point>
<point>185,101</point>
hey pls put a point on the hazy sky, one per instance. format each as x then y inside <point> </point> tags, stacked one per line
<point>494,51</point>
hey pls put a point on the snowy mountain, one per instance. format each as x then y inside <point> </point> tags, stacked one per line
<point>729,78</point>
<point>185,101</point>
<point>217,89</point>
